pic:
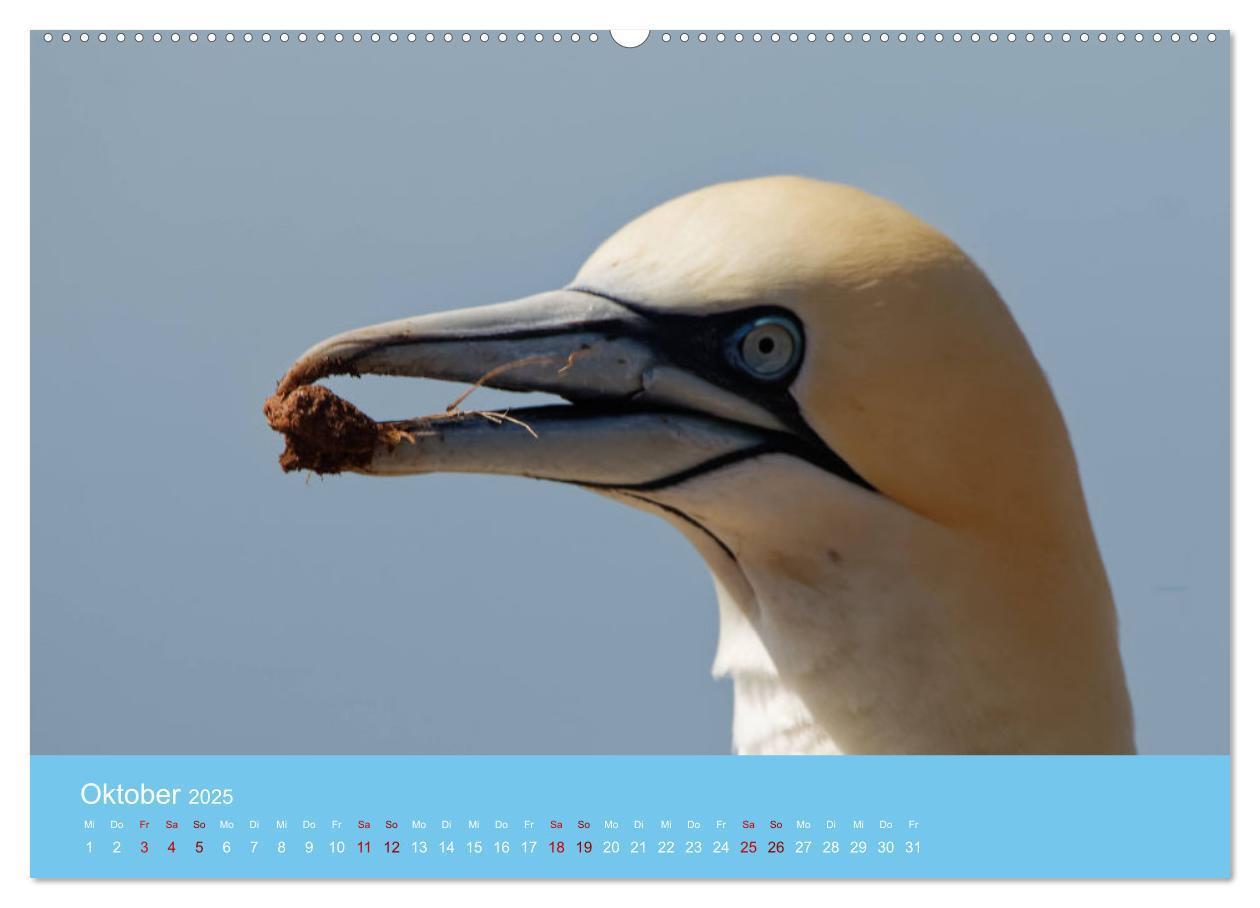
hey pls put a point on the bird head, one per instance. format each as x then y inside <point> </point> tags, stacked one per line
<point>777,315</point>
<point>833,404</point>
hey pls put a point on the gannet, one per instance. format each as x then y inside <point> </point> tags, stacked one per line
<point>832,403</point>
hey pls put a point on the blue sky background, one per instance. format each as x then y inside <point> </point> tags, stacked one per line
<point>202,213</point>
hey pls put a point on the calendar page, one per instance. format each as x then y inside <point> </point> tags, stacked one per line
<point>630,454</point>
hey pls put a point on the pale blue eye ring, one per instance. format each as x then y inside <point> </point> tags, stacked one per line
<point>768,347</point>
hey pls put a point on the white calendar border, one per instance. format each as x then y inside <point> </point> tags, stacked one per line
<point>734,14</point>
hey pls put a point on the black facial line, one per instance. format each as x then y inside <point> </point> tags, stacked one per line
<point>778,443</point>
<point>699,343</point>
<point>637,308</point>
<point>671,479</point>
<point>683,515</point>
<point>773,442</point>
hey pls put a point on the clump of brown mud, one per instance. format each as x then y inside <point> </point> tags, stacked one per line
<point>322,432</point>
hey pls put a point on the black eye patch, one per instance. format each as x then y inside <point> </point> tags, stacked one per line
<point>703,345</point>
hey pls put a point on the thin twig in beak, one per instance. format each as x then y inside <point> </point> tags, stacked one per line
<point>498,418</point>
<point>498,370</point>
<point>523,361</point>
<point>517,422</point>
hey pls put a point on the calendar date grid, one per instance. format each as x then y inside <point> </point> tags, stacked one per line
<point>553,838</point>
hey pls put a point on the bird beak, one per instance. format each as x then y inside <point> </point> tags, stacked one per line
<point>637,418</point>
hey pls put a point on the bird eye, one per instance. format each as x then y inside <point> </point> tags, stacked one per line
<point>768,347</point>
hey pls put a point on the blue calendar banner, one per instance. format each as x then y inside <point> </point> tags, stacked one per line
<point>625,817</point>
